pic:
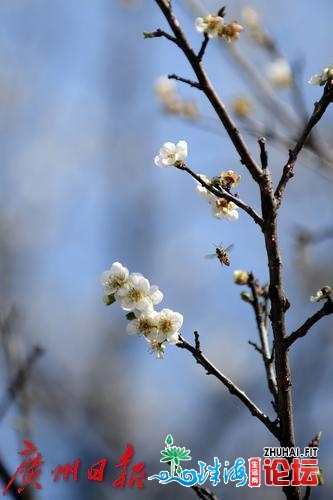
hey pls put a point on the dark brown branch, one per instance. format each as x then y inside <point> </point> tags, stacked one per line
<point>19,380</point>
<point>204,493</point>
<point>233,389</point>
<point>160,33</point>
<point>6,478</point>
<point>263,152</point>
<point>223,194</point>
<point>192,83</point>
<point>303,330</point>
<point>265,350</point>
<point>318,112</point>
<point>204,44</point>
<point>231,129</point>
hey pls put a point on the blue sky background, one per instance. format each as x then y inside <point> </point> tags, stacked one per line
<point>80,126</point>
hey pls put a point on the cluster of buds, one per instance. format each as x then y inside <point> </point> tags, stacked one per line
<point>221,208</point>
<point>323,77</point>
<point>214,27</point>
<point>137,297</point>
<point>324,293</point>
<point>172,101</point>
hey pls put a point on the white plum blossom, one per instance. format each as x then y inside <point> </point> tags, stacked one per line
<point>279,73</point>
<point>157,347</point>
<point>171,154</point>
<point>115,279</point>
<point>223,209</point>
<point>321,79</point>
<point>211,25</point>
<point>139,295</point>
<point>168,324</point>
<point>145,324</point>
<point>322,294</point>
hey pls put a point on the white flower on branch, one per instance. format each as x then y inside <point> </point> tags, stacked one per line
<point>168,325</point>
<point>215,27</point>
<point>139,295</point>
<point>224,209</point>
<point>279,73</point>
<point>157,348</point>
<point>145,324</point>
<point>211,25</point>
<point>321,79</point>
<point>322,294</point>
<point>115,278</point>
<point>171,154</point>
<point>221,208</point>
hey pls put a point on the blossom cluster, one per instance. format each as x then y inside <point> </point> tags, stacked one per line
<point>215,27</point>
<point>221,208</point>
<point>325,293</point>
<point>137,297</point>
<point>323,77</point>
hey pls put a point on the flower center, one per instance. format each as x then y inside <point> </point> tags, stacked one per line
<point>134,295</point>
<point>165,324</point>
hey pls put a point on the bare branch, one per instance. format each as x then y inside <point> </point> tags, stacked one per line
<point>233,389</point>
<point>303,330</point>
<point>263,152</point>
<point>318,112</point>
<point>19,380</point>
<point>201,52</point>
<point>263,335</point>
<point>192,83</point>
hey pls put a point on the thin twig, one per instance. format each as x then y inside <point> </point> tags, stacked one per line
<point>204,44</point>
<point>192,83</point>
<point>263,152</point>
<point>318,112</point>
<point>233,389</point>
<point>19,380</point>
<point>265,350</point>
<point>303,330</point>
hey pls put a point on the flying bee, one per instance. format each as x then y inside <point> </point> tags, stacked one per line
<point>222,254</point>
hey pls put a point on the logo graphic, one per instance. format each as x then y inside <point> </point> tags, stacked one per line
<point>276,471</point>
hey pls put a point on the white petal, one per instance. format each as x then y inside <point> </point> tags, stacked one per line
<point>155,294</point>
<point>167,148</point>
<point>158,161</point>
<point>173,338</point>
<point>315,80</point>
<point>132,327</point>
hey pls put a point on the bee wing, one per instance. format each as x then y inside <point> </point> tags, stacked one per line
<point>210,256</point>
<point>229,248</point>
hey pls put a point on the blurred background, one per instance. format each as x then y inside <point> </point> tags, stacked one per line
<point>80,126</point>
